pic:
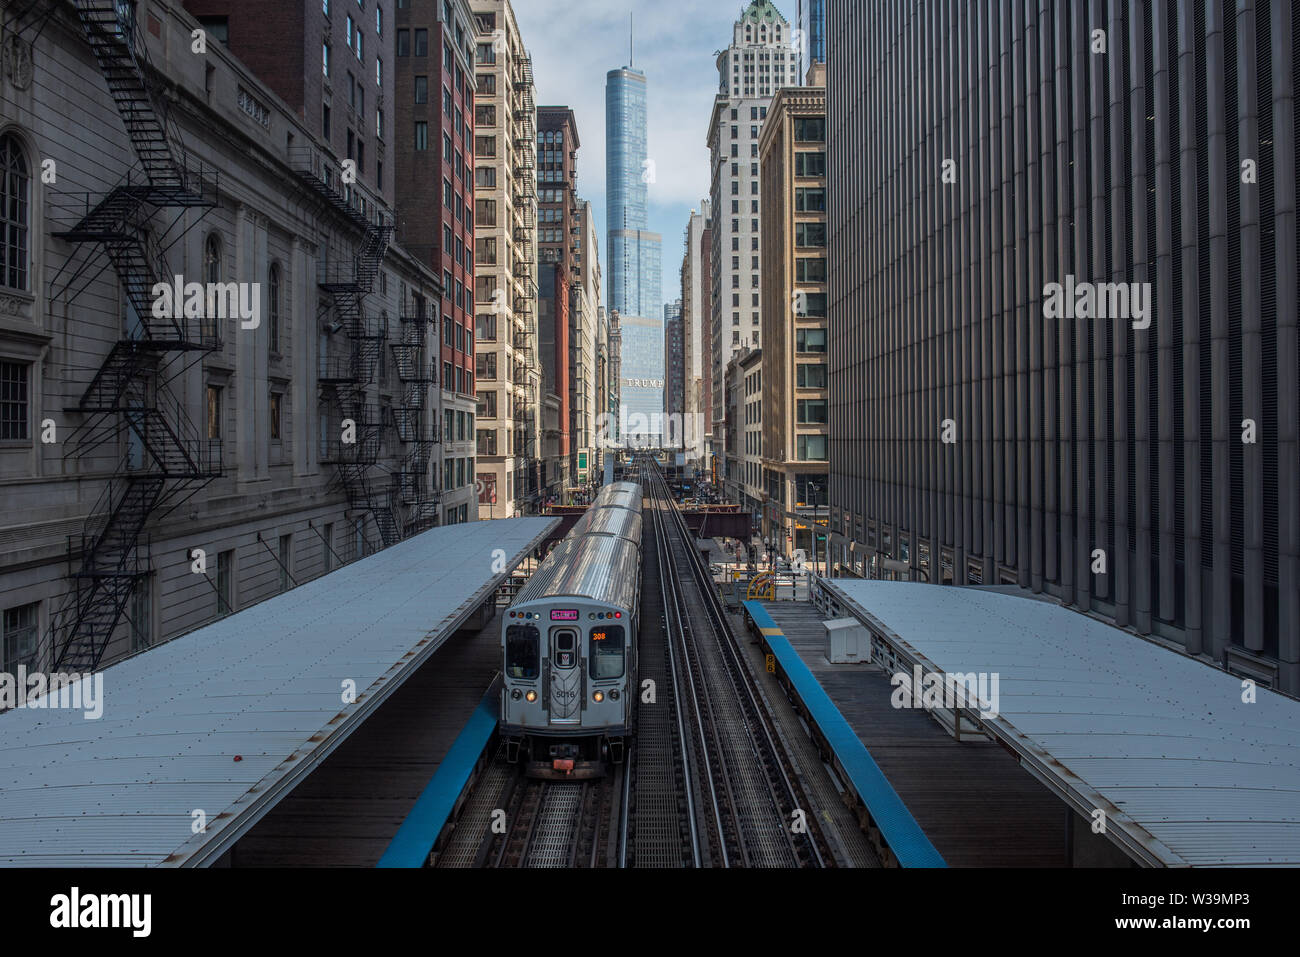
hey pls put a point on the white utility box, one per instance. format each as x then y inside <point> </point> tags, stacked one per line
<point>847,641</point>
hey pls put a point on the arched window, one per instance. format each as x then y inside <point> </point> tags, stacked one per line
<point>273,299</point>
<point>212,259</point>
<point>15,214</point>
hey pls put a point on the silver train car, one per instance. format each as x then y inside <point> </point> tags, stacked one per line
<point>569,645</point>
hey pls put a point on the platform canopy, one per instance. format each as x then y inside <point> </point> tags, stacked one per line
<point>202,735</point>
<point>1187,772</point>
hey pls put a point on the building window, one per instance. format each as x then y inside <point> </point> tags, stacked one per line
<point>810,270</point>
<point>19,645</point>
<point>812,412</point>
<point>810,129</point>
<point>225,583</point>
<point>810,164</point>
<point>212,259</point>
<point>276,401</point>
<point>273,297</point>
<point>811,375</point>
<point>810,340</point>
<point>403,42</point>
<point>809,235</point>
<point>421,89</point>
<point>811,448</point>
<point>421,135</point>
<point>286,561</point>
<point>485,146</point>
<point>421,42</point>
<point>810,200</point>
<point>325,58</point>
<point>15,402</point>
<point>141,617</point>
<point>487,83</point>
<point>214,412</point>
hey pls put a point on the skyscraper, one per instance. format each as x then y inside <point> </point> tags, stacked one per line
<point>507,356</point>
<point>759,61</point>
<point>812,39</point>
<point>635,283</point>
<point>635,287</point>
<point>1104,456</point>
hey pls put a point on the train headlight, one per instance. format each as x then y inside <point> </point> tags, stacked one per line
<point>531,696</point>
<point>613,695</point>
<point>516,694</point>
<point>599,696</point>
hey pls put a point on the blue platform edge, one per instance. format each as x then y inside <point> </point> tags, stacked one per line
<point>899,829</point>
<point>413,841</point>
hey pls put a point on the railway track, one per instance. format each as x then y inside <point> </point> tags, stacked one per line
<point>744,796</point>
<point>660,814</point>
<point>513,821</point>
<point>708,782</point>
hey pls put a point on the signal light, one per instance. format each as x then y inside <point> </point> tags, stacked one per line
<point>531,696</point>
<point>599,696</point>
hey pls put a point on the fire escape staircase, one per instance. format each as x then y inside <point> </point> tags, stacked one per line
<point>418,433</point>
<point>128,399</point>
<point>348,375</point>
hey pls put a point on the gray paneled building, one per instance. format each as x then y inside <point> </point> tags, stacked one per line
<point>1062,314</point>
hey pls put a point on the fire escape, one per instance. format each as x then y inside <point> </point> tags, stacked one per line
<point>414,420</point>
<point>525,332</point>
<point>346,374</point>
<point>128,404</point>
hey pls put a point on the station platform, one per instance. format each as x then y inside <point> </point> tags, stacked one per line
<point>1162,759</point>
<point>203,736</point>
<point>348,812</point>
<point>969,801</point>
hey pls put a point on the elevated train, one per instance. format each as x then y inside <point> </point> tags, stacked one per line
<point>569,646</point>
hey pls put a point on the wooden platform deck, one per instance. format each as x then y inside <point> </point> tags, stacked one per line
<point>346,813</point>
<point>971,798</point>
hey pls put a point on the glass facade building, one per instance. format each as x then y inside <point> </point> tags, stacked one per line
<point>642,378</point>
<point>634,264</point>
<point>812,21</point>
<point>634,270</point>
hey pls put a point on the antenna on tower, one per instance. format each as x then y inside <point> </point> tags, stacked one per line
<point>631,60</point>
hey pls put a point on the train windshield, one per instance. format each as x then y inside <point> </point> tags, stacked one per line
<point>607,652</point>
<point>522,645</point>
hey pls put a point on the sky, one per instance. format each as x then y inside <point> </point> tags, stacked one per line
<point>574,43</point>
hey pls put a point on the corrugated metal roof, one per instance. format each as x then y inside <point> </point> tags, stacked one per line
<point>1187,773</point>
<point>265,684</point>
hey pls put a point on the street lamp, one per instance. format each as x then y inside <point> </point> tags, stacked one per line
<point>813,489</point>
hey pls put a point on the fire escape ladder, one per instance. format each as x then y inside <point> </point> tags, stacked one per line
<point>165,461</point>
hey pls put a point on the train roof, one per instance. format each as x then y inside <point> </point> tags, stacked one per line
<point>599,568</point>
<point>626,494</point>
<point>610,520</point>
